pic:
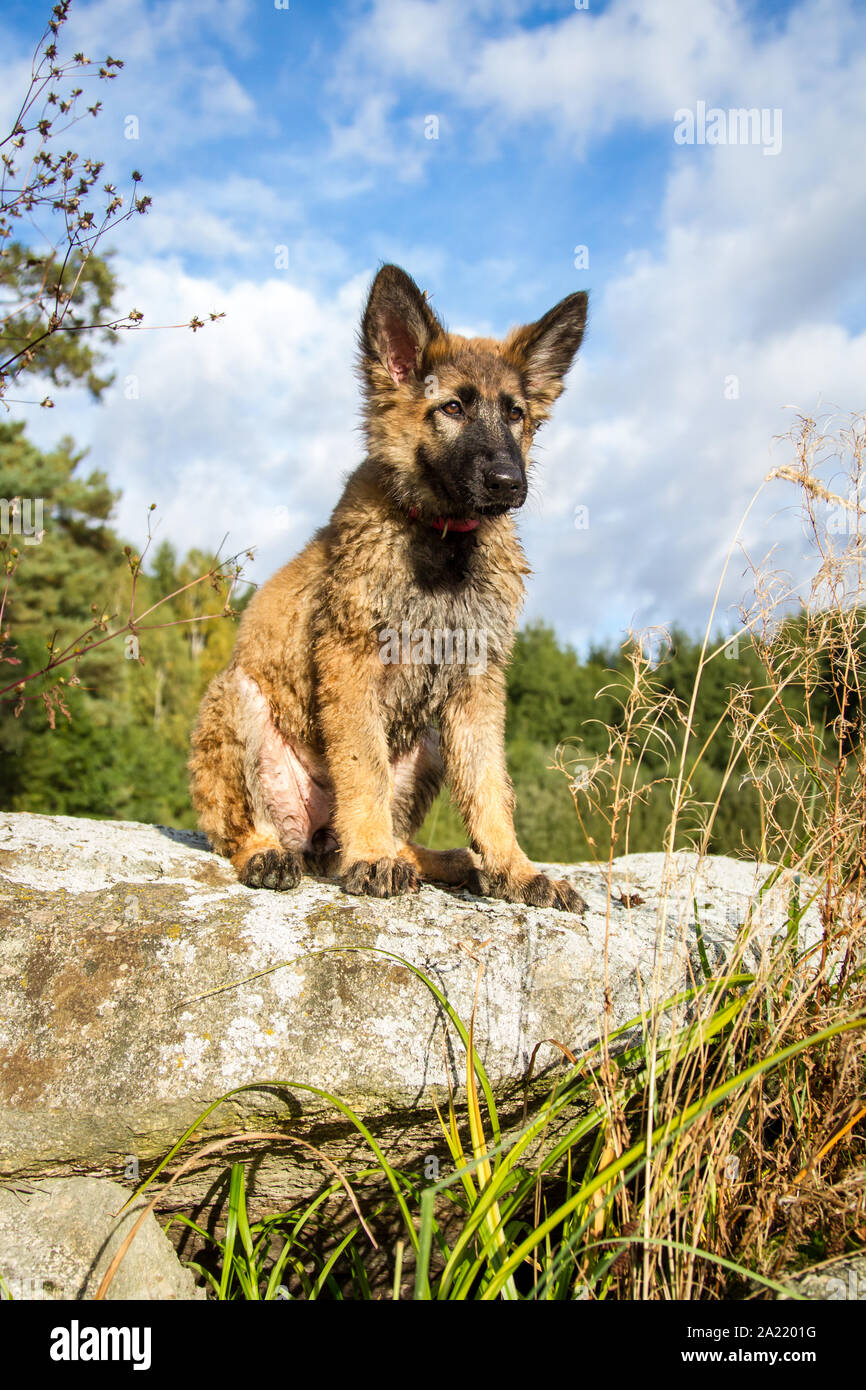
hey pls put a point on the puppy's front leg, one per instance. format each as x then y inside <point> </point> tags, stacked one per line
<point>358,761</point>
<point>473,746</point>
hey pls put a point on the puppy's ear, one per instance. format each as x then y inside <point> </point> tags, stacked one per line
<point>544,351</point>
<point>397,327</point>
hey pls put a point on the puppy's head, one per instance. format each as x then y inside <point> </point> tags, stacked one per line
<point>450,420</point>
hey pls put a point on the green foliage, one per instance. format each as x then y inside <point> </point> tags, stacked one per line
<point>552,695</point>
<point>59,582</point>
<point>29,285</point>
<point>556,700</point>
<point>75,565</point>
<point>119,744</point>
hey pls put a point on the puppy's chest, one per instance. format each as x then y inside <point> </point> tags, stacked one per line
<point>469,606</point>
<point>429,643</point>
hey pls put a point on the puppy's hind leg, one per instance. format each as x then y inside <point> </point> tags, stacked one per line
<point>323,859</point>
<point>225,786</point>
<point>451,866</point>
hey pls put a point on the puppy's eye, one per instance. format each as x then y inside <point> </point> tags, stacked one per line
<point>515,414</point>
<point>452,408</point>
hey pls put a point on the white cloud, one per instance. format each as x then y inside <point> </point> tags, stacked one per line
<point>583,72</point>
<point>758,257</point>
<point>245,427</point>
<point>236,219</point>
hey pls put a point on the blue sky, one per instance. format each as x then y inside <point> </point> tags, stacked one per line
<point>305,127</point>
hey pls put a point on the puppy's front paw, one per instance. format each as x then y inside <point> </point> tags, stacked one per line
<point>272,868</point>
<point>542,891</point>
<point>538,891</point>
<point>381,878</point>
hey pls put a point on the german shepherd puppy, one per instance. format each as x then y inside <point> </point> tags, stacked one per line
<point>318,749</point>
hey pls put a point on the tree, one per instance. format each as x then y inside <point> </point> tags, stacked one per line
<point>28,284</point>
<point>72,578</point>
<point>551,694</point>
<point>53,288</point>
<point>56,311</point>
<point>115,740</point>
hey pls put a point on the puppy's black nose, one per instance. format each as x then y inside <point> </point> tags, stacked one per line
<point>503,481</point>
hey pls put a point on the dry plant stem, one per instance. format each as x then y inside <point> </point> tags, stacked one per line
<point>60,182</point>
<point>667,873</point>
<point>608,1091</point>
<point>74,650</point>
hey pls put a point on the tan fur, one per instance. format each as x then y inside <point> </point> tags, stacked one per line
<point>311,753</point>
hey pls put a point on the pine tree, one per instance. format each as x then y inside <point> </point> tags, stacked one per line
<point>74,574</point>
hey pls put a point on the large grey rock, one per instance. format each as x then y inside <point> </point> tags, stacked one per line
<point>127,1004</point>
<point>58,1237</point>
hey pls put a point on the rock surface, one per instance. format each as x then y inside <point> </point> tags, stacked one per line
<point>58,1237</point>
<point>128,1003</point>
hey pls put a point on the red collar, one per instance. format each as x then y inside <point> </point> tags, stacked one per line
<point>446,523</point>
